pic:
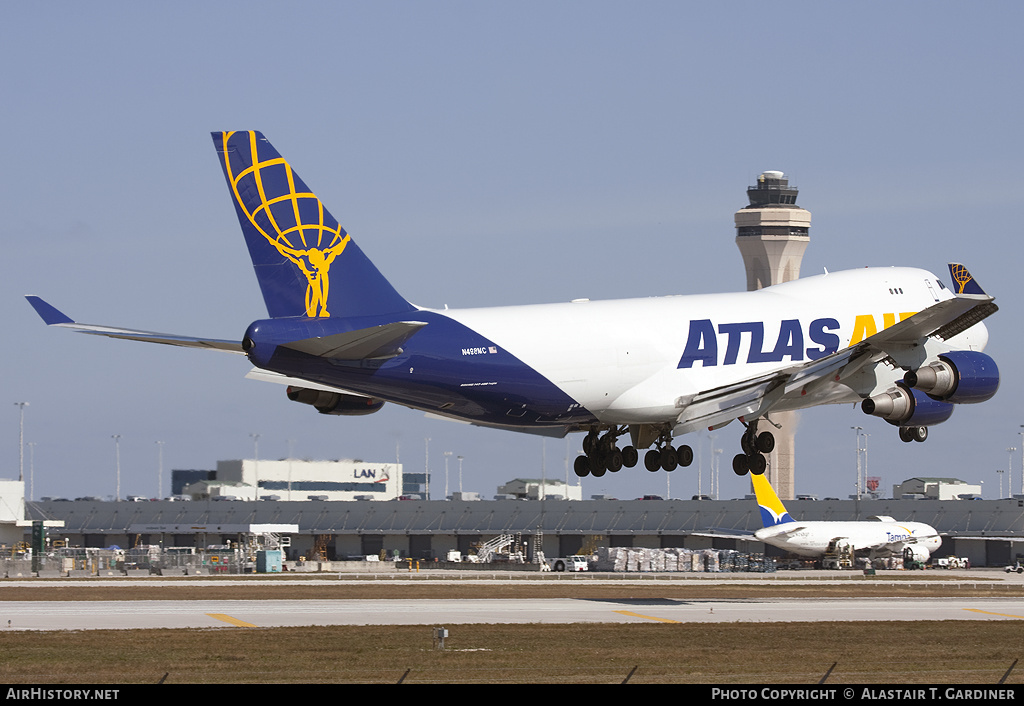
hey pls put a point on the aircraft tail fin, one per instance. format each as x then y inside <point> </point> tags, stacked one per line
<point>964,281</point>
<point>773,512</point>
<point>305,262</point>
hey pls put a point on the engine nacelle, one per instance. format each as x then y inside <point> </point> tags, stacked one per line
<point>916,552</point>
<point>905,407</point>
<point>336,403</point>
<point>961,377</point>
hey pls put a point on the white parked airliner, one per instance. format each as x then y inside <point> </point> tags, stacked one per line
<point>878,536</point>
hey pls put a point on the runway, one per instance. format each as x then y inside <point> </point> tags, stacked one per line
<point>241,614</point>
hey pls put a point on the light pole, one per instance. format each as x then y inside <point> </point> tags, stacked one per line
<point>861,467</point>
<point>255,456</point>
<point>31,470</point>
<point>1009,489</point>
<point>117,461</point>
<point>711,471</point>
<point>715,461</point>
<point>291,455</point>
<point>21,439</point>
<point>1009,470</point>
<point>460,473</point>
<point>426,467</point>
<point>159,469</point>
<point>447,455</point>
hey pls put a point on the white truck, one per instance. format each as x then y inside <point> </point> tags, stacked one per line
<point>576,562</point>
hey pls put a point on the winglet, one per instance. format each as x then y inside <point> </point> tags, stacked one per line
<point>773,512</point>
<point>964,281</point>
<point>49,314</point>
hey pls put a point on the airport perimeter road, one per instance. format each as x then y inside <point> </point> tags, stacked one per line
<point>91,615</point>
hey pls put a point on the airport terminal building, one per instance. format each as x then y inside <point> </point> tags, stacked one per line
<point>292,479</point>
<point>988,532</point>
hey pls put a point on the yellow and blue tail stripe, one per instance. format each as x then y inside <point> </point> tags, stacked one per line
<point>773,512</point>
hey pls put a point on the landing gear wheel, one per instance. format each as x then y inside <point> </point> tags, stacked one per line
<point>919,433</point>
<point>765,442</point>
<point>581,466</point>
<point>669,460</point>
<point>740,464</point>
<point>652,460</point>
<point>748,443</point>
<point>905,435</point>
<point>685,455</point>
<point>629,457</point>
<point>589,443</point>
<point>615,461</point>
<point>757,464</point>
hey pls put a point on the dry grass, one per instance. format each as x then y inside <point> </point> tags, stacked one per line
<point>737,653</point>
<point>793,653</point>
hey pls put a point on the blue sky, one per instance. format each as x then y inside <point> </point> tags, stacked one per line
<point>481,154</point>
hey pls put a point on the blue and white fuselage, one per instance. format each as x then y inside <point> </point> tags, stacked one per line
<point>617,362</point>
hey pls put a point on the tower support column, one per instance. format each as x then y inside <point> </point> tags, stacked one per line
<point>772,233</point>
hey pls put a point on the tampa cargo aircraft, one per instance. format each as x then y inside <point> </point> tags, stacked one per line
<point>629,374</point>
<point>880,535</point>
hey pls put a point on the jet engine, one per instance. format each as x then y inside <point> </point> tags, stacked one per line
<point>916,552</point>
<point>961,377</point>
<point>337,403</point>
<point>907,408</point>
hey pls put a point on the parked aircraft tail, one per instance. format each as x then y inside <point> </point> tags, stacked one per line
<point>773,512</point>
<point>305,262</point>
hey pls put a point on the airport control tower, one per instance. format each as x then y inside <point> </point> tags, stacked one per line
<point>772,234</point>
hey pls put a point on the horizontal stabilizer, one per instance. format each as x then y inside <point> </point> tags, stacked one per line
<point>785,529</point>
<point>54,317</point>
<point>375,342</point>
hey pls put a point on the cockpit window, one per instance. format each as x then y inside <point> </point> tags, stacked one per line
<point>941,285</point>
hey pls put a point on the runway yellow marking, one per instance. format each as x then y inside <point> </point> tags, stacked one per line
<point>989,612</point>
<point>645,617</point>
<point>229,619</point>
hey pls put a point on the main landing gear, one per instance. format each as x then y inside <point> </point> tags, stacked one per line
<point>909,434</point>
<point>754,447</point>
<point>602,454</point>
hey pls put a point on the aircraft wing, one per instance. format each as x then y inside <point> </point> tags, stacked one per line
<point>755,397</point>
<point>54,317</point>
